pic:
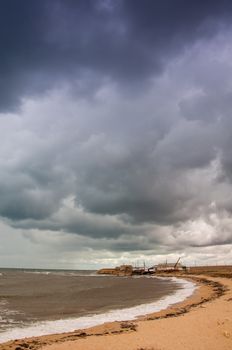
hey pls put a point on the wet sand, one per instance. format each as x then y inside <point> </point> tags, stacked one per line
<point>203,321</point>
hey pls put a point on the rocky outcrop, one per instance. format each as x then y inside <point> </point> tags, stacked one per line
<point>123,270</point>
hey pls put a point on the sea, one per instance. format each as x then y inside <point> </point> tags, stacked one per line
<point>39,302</point>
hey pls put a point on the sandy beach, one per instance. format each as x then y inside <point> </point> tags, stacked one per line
<point>203,321</point>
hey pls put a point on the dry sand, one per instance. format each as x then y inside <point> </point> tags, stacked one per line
<point>203,321</point>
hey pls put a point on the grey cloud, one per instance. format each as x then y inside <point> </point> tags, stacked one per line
<point>147,171</point>
<point>142,159</point>
<point>78,221</point>
<point>47,43</point>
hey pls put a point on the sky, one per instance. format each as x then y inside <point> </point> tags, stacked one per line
<point>116,132</point>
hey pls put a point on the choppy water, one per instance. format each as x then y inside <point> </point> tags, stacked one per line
<point>36,302</point>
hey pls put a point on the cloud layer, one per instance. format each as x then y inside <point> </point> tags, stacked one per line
<point>45,44</point>
<point>116,130</point>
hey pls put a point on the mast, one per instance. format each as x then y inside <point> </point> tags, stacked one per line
<point>177,263</point>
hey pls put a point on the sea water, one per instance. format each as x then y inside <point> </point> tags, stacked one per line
<point>40,302</point>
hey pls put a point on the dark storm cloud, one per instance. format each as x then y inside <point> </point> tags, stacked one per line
<point>85,165</point>
<point>126,162</point>
<point>44,43</point>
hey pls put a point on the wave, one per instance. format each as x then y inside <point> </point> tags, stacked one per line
<point>64,273</point>
<point>72,324</point>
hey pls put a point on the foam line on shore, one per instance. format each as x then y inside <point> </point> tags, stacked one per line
<point>69,325</point>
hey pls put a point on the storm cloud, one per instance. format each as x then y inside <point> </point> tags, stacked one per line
<point>115,130</point>
<point>45,44</point>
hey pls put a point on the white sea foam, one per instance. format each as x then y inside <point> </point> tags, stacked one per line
<point>63,273</point>
<point>38,272</point>
<point>68,325</point>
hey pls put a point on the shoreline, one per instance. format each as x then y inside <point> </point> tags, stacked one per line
<point>209,289</point>
<point>182,290</point>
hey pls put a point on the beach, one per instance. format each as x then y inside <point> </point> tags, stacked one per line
<point>202,321</point>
